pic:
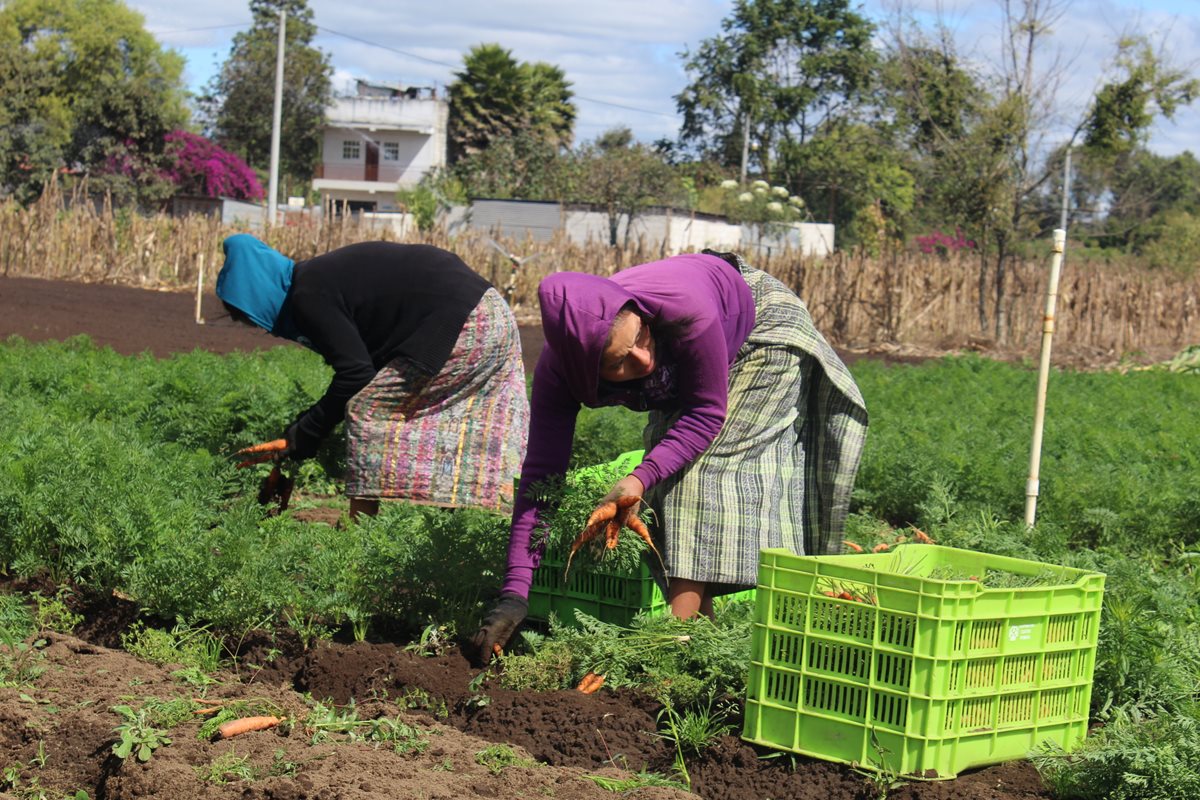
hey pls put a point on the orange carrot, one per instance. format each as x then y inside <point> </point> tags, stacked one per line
<point>273,446</point>
<point>590,532</point>
<point>205,711</point>
<point>590,683</point>
<point>637,526</point>
<point>236,727</point>
<point>845,596</point>
<point>879,548</point>
<point>612,534</point>
<point>625,501</point>
<point>603,513</point>
<point>261,458</point>
<point>920,535</point>
<point>852,546</point>
<point>497,650</point>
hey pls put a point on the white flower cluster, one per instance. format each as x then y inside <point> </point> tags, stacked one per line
<point>771,202</point>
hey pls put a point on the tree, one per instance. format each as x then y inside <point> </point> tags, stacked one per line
<point>239,101</point>
<point>622,176</point>
<point>495,97</point>
<point>982,154</point>
<point>853,177</point>
<point>198,166</point>
<point>781,71</point>
<point>86,89</point>
<point>521,165</point>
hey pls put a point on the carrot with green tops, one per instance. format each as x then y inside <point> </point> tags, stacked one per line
<point>607,519</point>
<point>236,727</point>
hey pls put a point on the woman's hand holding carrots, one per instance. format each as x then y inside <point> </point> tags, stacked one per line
<point>618,509</point>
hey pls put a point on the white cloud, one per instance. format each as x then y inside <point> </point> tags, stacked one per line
<point>625,52</point>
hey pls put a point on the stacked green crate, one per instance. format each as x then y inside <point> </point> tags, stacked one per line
<point>923,661</point>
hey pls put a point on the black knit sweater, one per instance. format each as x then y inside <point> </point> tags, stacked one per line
<point>362,305</point>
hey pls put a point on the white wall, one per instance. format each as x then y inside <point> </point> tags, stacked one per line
<point>675,231</point>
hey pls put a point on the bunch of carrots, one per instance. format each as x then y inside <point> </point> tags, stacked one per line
<point>919,536</point>
<point>609,518</point>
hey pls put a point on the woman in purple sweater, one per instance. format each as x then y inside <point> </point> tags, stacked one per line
<point>755,427</point>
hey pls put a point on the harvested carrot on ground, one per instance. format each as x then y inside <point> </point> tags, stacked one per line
<point>236,727</point>
<point>879,548</point>
<point>852,546</point>
<point>590,683</point>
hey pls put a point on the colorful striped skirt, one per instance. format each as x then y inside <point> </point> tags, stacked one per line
<point>780,472</point>
<point>453,439</point>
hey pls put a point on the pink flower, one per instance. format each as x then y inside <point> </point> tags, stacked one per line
<point>202,167</point>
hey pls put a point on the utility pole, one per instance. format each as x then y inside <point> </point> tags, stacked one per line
<point>745,144</point>
<point>1066,198</point>
<point>276,122</point>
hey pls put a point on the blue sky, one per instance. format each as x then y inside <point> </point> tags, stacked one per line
<point>622,55</point>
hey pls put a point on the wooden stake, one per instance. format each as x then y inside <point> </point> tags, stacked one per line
<point>1039,415</point>
<point>199,288</point>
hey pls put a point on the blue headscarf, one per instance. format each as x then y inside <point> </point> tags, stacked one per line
<point>255,280</point>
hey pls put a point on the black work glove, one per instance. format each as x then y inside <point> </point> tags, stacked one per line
<point>498,626</point>
<point>300,445</point>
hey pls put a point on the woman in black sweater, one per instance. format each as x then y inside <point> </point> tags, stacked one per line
<point>427,366</point>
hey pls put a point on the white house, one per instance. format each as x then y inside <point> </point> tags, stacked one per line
<point>384,137</point>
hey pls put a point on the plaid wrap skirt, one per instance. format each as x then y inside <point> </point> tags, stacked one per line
<point>780,472</point>
<point>452,439</point>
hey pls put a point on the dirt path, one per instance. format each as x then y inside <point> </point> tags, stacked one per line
<point>132,321</point>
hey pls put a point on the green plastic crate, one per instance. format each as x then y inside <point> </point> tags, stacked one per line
<point>608,596</point>
<point>916,675</point>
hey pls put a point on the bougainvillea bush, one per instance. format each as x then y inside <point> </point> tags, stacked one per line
<point>199,166</point>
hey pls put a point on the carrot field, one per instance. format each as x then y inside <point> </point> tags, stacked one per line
<point>148,598</point>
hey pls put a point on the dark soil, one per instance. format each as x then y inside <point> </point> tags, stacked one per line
<point>65,713</point>
<point>132,321</point>
<point>57,729</point>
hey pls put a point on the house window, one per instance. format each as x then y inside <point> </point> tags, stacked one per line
<point>350,150</point>
<point>391,151</point>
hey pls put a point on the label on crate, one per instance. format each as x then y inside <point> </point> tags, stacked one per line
<point>1020,633</point>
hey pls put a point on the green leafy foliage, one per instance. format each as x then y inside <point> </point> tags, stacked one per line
<point>328,723</point>
<point>499,757</point>
<point>136,735</point>
<point>85,86</point>
<point>184,645</point>
<point>1152,759</point>
<point>16,619</point>
<point>1116,470</point>
<point>680,661</point>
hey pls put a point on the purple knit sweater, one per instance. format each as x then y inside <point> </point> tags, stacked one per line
<point>577,313</point>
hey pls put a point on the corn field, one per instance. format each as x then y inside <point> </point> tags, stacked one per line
<point>900,299</point>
